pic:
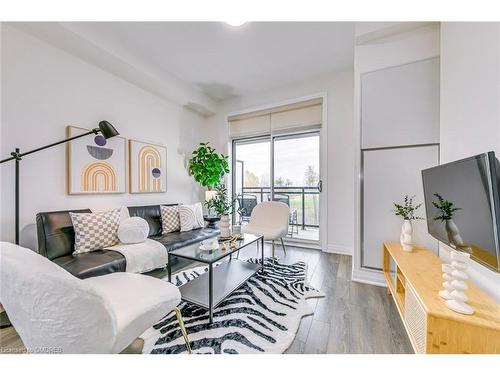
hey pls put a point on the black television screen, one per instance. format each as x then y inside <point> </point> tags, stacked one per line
<point>462,206</point>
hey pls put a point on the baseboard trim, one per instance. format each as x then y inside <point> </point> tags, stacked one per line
<point>338,249</point>
<point>302,244</point>
<point>369,277</point>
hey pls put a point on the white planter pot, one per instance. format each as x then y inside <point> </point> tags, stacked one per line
<point>225,226</point>
<point>453,233</point>
<point>406,236</point>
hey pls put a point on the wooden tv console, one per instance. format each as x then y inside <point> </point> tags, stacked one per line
<point>414,279</point>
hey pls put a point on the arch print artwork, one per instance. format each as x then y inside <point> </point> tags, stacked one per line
<point>148,164</point>
<point>99,176</point>
<point>95,165</point>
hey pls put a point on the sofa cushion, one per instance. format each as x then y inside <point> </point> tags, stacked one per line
<point>56,235</point>
<point>96,230</point>
<point>151,214</point>
<point>170,221</point>
<point>96,263</point>
<point>191,216</point>
<point>175,240</point>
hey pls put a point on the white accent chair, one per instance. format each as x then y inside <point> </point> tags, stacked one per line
<point>269,219</point>
<point>52,309</point>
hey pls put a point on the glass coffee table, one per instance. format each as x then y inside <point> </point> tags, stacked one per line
<point>211,288</point>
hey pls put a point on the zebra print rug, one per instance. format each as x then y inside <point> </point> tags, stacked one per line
<point>262,316</point>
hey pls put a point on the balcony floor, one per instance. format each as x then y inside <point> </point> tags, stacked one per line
<point>309,234</point>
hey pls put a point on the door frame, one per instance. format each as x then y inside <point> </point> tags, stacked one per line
<point>323,160</point>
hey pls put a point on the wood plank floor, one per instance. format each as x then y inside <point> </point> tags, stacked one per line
<point>352,318</point>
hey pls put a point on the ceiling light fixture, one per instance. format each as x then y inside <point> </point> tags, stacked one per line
<point>235,23</point>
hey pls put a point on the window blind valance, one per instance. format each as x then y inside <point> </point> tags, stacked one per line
<point>245,127</point>
<point>294,116</point>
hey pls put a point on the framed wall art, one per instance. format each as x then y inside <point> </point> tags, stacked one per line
<point>95,165</point>
<point>148,167</point>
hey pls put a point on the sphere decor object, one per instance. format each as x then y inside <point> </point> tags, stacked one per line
<point>406,236</point>
<point>133,230</point>
<point>454,276</point>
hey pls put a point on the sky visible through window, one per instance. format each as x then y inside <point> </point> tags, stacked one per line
<point>292,159</point>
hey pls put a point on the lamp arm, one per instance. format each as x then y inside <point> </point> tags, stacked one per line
<point>18,156</point>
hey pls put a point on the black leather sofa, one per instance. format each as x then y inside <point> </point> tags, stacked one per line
<point>56,240</point>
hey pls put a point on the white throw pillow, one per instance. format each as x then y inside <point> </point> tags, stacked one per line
<point>191,217</point>
<point>170,219</point>
<point>133,230</point>
<point>96,230</point>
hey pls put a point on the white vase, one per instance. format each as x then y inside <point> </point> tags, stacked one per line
<point>453,233</point>
<point>225,226</point>
<point>406,236</point>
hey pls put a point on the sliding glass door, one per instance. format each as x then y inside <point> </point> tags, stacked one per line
<point>297,181</point>
<point>252,174</point>
<point>283,168</point>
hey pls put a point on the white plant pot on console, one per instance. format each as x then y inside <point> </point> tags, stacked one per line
<point>225,226</point>
<point>406,236</point>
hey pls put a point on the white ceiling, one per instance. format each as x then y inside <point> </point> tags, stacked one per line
<point>224,61</point>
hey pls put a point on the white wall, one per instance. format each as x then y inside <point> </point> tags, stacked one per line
<point>339,187</point>
<point>43,90</point>
<point>470,105</point>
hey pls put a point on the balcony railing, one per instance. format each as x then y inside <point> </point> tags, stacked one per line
<point>304,199</point>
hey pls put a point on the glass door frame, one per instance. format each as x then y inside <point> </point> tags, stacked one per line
<point>292,134</point>
<point>272,137</point>
<point>244,140</point>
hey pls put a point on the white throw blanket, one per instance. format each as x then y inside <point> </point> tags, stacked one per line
<point>142,257</point>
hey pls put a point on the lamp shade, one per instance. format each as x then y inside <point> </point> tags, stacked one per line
<point>210,194</point>
<point>107,130</point>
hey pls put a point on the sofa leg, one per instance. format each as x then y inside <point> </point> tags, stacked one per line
<point>183,329</point>
<point>283,244</point>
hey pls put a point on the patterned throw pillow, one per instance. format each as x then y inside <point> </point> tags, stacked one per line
<point>170,219</point>
<point>191,216</point>
<point>96,230</point>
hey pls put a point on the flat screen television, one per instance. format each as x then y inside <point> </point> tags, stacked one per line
<point>463,208</point>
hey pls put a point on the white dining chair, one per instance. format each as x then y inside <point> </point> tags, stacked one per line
<point>269,219</point>
<point>51,309</point>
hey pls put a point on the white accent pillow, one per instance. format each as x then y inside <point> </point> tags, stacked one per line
<point>170,219</point>
<point>191,217</point>
<point>96,230</point>
<point>133,230</point>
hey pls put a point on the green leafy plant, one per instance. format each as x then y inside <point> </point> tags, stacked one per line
<point>407,209</point>
<point>207,166</point>
<point>220,203</point>
<point>445,207</point>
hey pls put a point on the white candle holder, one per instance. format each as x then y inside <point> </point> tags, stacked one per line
<point>454,276</point>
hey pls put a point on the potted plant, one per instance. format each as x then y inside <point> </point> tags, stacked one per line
<point>223,207</point>
<point>407,212</point>
<point>447,211</point>
<point>207,166</point>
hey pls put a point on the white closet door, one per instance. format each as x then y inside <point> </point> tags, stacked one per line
<point>388,175</point>
<point>400,105</point>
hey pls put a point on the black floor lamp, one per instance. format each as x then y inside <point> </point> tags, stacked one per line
<point>105,128</point>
